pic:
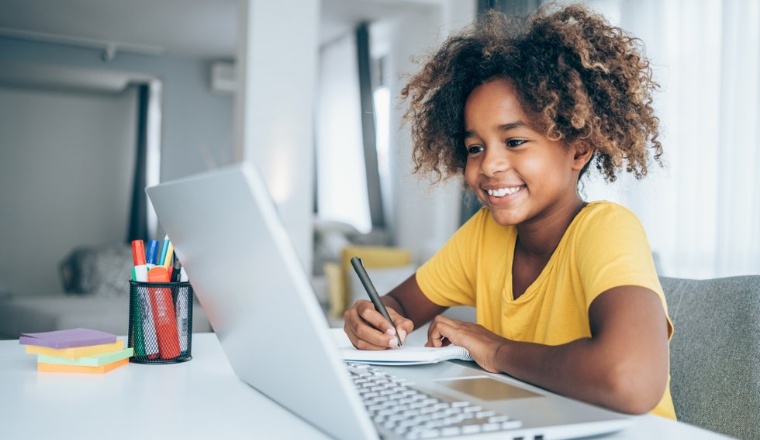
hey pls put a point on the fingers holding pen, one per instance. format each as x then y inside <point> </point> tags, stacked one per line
<point>403,325</point>
<point>369,315</point>
<point>388,325</point>
<point>362,334</point>
<point>369,330</point>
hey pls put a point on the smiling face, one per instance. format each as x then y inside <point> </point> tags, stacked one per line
<point>516,171</point>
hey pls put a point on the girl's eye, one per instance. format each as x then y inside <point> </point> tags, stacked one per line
<point>474,149</point>
<point>515,142</point>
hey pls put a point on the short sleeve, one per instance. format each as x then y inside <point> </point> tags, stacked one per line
<point>448,278</point>
<point>612,250</point>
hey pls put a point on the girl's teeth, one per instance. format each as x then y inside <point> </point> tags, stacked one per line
<point>501,192</point>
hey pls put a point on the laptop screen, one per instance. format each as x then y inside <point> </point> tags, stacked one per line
<point>228,235</point>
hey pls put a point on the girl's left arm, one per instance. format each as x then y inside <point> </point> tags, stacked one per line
<point>622,366</point>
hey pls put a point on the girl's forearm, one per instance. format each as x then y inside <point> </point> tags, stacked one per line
<point>585,370</point>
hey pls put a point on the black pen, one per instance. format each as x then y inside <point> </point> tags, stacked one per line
<point>176,271</point>
<point>373,296</point>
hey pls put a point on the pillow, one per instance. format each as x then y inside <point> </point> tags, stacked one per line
<point>384,279</point>
<point>98,270</point>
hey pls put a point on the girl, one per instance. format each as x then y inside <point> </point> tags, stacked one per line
<point>565,291</point>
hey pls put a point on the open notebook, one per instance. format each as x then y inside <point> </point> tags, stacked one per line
<point>407,354</point>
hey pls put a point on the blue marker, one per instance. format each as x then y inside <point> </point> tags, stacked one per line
<point>151,255</point>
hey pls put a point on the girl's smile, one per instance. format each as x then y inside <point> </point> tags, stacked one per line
<point>500,195</point>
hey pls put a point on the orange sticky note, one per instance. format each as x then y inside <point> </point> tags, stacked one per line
<point>63,368</point>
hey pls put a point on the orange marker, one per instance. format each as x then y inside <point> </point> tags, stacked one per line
<point>163,313</point>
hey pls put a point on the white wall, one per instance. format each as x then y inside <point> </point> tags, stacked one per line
<point>275,118</point>
<point>425,215</point>
<point>277,62</point>
<point>197,123</point>
<point>66,160</point>
<point>196,135</point>
<point>275,124</point>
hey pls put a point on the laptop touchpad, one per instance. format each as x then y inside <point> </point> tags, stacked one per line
<point>487,389</point>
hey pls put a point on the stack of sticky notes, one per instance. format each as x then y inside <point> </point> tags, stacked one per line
<point>78,350</point>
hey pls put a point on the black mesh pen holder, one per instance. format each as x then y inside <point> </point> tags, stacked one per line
<point>160,322</point>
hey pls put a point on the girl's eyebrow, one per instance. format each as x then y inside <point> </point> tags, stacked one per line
<point>503,127</point>
<point>512,125</point>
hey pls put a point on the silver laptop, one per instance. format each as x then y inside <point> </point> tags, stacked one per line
<point>227,233</point>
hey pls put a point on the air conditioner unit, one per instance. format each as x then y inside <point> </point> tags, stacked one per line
<point>223,77</point>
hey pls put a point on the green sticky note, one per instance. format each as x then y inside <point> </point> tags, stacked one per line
<point>95,360</point>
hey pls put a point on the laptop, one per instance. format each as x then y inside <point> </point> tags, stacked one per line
<point>259,299</point>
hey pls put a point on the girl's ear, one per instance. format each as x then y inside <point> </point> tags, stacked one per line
<point>582,154</point>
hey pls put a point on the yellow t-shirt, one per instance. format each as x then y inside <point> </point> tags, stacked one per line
<point>605,246</point>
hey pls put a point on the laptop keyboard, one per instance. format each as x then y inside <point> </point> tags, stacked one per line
<point>401,411</point>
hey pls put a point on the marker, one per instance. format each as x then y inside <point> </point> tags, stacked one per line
<point>152,254</point>
<point>145,328</point>
<point>138,253</point>
<point>140,273</point>
<point>163,310</point>
<point>373,296</point>
<point>164,250</point>
<point>169,256</point>
<point>183,318</point>
<point>137,331</point>
<point>176,271</point>
<point>182,310</point>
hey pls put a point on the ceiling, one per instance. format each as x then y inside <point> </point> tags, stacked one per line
<point>197,28</point>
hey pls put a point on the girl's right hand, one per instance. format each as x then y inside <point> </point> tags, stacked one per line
<point>368,330</point>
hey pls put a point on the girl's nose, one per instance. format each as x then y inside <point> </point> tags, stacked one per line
<point>494,161</point>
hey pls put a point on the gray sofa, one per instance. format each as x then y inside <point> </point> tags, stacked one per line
<point>715,353</point>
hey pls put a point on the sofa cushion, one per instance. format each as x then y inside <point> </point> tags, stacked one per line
<point>714,353</point>
<point>47,313</point>
<point>97,270</point>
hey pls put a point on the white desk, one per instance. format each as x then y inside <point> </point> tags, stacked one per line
<point>199,399</point>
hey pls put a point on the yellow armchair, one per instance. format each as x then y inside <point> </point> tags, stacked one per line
<point>373,257</point>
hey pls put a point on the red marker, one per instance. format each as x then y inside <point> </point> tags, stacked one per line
<point>163,314</point>
<point>138,253</point>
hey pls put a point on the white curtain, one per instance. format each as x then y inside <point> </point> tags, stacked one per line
<point>341,173</point>
<point>702,211</point>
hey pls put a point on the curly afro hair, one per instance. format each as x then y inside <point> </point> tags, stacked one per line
<point>578,78</point>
